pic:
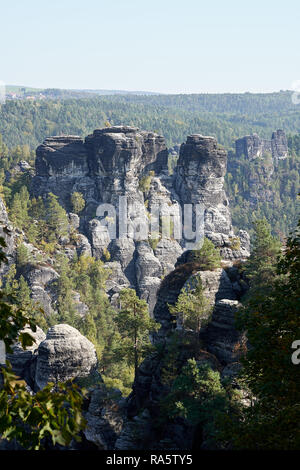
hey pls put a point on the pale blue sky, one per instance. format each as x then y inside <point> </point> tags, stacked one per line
<point>170,46</point>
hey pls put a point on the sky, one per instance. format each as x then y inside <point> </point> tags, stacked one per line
<point>166,46</point>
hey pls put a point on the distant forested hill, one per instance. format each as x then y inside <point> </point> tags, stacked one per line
<point>225,116</point>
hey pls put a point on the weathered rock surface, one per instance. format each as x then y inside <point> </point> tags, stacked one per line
<point>7,232</point>
<point>125,162</point>
<point>105,418</point>
<point>252,146</point>
<point>63,355</point>
<point>23,361</point>
<point>199,179</point>
<point>221,337</point>
<point>111,163</point>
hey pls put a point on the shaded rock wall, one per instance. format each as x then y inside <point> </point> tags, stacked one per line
<point>252,146</point>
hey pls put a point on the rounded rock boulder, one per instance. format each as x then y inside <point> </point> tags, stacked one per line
<point>65,354</point>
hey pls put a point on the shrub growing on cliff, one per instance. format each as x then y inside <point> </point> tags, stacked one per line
<point>197,396</point>
<point>261,265</point>
<point>78,202</point>
<point>192,306</point>
<point>145,182</point>
<point>56,218</point>
<point>207,257</point>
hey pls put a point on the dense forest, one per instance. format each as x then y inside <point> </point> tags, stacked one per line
<point>24,125</point>
<point>258,188</point>
<point>225,116</point>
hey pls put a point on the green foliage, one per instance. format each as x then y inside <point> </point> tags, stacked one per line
<point>32,419</point>
<point>226,116</point>
<point>207,257</point>
<point>37,420</point>
<point>43,221</point>
<point>260,268</point>
<point>23,255</point>
<point>17,292</point>
<point>191,307</point>
<point>19,208</point>
<point>145,182</point>
<point>78,202</point>
<point>106,254</point>
<point>56,218</point>
<point>258,189</point>
<point>271,318</point>
<point>235,243</point>
<point>135,325</point>
<point>88,276</point>
<point>197,396</point>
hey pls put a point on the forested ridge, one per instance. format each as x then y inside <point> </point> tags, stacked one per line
<point>225,116</point>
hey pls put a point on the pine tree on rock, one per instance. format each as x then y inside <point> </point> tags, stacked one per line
<point>135,326</point>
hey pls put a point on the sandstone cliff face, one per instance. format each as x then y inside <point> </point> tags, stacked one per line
<point>111,163</point>
<point>199,179</point>
<point>60,355</point>
<point>24,361</point>
<point>252,146</point>
<point>114,162</point>
<point>8,233</point>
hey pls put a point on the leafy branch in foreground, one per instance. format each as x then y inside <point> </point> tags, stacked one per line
<point>35,421</point>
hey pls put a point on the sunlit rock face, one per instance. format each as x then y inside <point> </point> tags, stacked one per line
<point>64,355</point>
<point>199,179</point>
<point>110,164</point>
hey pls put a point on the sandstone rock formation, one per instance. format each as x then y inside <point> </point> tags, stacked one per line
<point>114,162</point>
<point>64,355</point>
<point>252,146</point>
<point>123,161</point>
<point>105,418</point>
<point>24,361</point>
<point>7,232</point>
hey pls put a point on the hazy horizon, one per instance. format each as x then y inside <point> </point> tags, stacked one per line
<point>123,90</point>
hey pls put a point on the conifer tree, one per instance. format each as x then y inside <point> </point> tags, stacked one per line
<point>78,202</point>
<point>261,266</point>
<point>56,218</point>
<point>271,319</point>
<point>191,307</point>
<point>208,256</point>
<point>135,325</point>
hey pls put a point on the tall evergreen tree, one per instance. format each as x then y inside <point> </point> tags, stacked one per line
<point>135,326</point>
<point>56,218</point>
<point>261,265</point>
<point>191,307</point>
